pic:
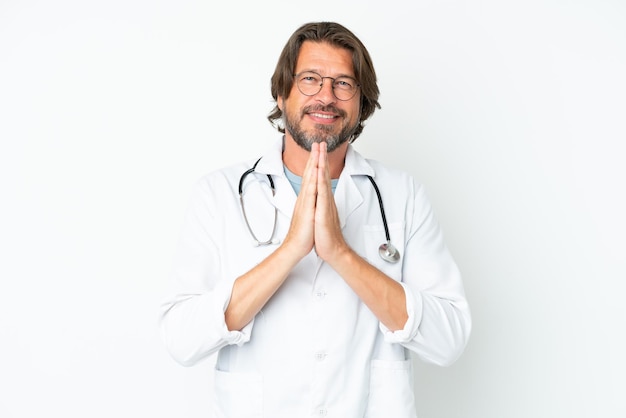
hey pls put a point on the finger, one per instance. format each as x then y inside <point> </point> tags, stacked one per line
<point>323,170</point>
<point>328,234</point>
<point>301,230</point>
<point>309,177</point>
<point>313,156</point>
<point>323,157</point>
<point>325,201</point>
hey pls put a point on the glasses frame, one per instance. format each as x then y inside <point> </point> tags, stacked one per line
<point>356,87</point>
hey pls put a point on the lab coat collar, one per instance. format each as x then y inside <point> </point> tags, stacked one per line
<point>347,195</point>
<point>272,162</point>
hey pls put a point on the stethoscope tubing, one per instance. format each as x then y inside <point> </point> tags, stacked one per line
<point>256,241</point>
<point>382,208</point>
<point>386,250</point>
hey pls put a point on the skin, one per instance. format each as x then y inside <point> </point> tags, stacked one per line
<point>315,221</point>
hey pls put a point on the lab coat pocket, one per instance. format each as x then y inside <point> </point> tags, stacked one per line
<point>238,395</point>
<point>374,236</point>
<point>391,390</point>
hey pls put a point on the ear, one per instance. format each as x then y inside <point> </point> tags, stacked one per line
<point>280,103</point>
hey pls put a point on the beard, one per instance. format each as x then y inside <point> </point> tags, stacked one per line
<point>321,133</point>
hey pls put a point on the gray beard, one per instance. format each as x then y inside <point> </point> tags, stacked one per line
<point>322,134</point>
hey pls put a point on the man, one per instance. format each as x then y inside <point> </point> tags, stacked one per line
<point>316,320</point>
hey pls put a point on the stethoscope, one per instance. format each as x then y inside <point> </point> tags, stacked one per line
<point>386,250</point>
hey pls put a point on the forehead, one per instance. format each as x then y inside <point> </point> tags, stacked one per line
<point>324,58</point>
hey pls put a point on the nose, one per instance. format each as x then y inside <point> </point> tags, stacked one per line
<point>326,95</point>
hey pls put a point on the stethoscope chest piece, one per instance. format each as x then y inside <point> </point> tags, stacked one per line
<point>388,252</point>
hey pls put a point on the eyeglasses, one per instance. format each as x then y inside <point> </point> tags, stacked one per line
<point>310,83</point>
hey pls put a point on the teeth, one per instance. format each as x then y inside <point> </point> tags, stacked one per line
<point>319,115</point>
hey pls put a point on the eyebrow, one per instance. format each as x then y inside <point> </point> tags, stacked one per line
<point>320,73</point>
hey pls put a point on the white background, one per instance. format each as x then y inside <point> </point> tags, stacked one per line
<point>512,113</point>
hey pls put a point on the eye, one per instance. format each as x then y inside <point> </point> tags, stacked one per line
<point>345,83</point>
<point>310,78</point>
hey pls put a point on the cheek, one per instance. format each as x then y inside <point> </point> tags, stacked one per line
<point>356,113</point>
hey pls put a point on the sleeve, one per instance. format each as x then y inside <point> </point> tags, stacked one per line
<point>439,320</point>
<point>191,319</point>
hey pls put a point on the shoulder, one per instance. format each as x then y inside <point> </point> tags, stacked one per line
<point>393,177</point>
<point>230,174</point>
<point>387,170</point>
<point>357,164</point>
<point>226,175</point>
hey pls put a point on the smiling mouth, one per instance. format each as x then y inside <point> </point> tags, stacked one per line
<point>322,116</point>
<point>328,113</point>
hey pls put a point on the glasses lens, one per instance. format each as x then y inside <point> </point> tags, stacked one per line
<point>344,88</point>
<point>310,83</point>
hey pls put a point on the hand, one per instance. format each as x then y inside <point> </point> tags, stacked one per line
<point>329,239</point>
<point>301,231</point>
<point>252,290</point>
<point>315,223</point>
<point>315,220</point>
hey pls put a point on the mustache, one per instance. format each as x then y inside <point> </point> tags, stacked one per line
<point>327,108</point>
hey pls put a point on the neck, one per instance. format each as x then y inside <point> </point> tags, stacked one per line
<point>296,157</point>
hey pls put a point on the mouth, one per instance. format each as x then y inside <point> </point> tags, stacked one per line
<point>324,115</point>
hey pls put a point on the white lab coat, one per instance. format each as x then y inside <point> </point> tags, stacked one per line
<point>315,349</point>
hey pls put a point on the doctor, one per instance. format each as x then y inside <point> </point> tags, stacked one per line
<point>280,268</point>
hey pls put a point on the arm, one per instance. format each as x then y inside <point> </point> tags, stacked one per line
<point>192,318</point>
<point>427,312</point>
<point>209,311</point>
<point>383,296</point>
<point>252,290</point>
<point>439,322</point>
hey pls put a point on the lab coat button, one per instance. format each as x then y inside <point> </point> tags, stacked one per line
<point>321,412</point>
<point>319,356</point>
<point>320,294</point>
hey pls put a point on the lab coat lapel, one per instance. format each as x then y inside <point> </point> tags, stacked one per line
<point>272,163</point>
<point>285,198</point>
<point>347,195</point>
<point>347,198</point>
